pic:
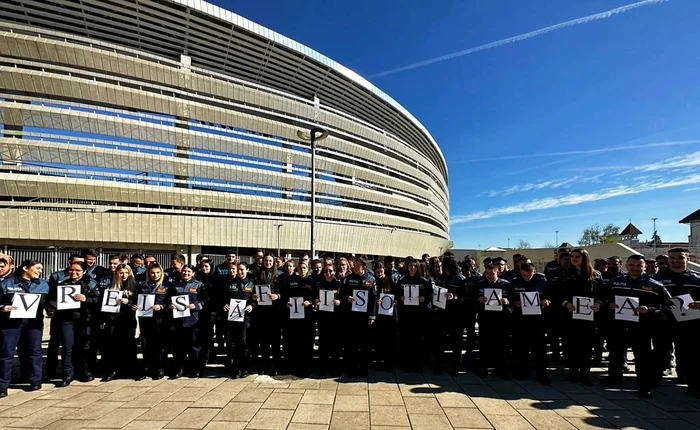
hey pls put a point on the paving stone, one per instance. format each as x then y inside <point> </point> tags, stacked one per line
<point>590,423</point>
<point>188,394</point>
<point>253,395</point>
<point>291,391</point>
<point>594,401</point>
<point>351,403</point>
<point>349,420</point>
<point>429,422</point>
<point>318,397</point>
<point>467,418</point>
<point>625,419</point>
<point>210,383</point>
<point>17,397</point>
<point>81,400</point>
<point>106,387</point>
<point>313,414</point>
<point>353,388</point>
<point>674,404</point>
<point>238,412</point>
<point>417,390</point>
<point>389,415</point>
<point>385,398</point>
<point>64,425</point>
<point>229,386</point>
<point>506,387</point>
<point>62,394</point>
<point>570,409</point>
<point>494,406</point>
<point>673,424</point>
<point>643,409</point>
<point>305,426</point>
<point>526,404</point>
<point>384,386</point>
<point>145,425</point>
<point>693,417</point>
<point>546,420</point>
<point>167,411</point>
<point>271,419</point>
<point>226,425</point>
<point>469,379</point>
<point>125,394</point>
<point>171,385</point>
<point>193,418</point>
<point>454,400</point>
<point>390,428</point>
<point>542,392</point>
<point>214,399</point>
<point>117,418</point>
<point>422,406</point>
<point>327,384</point>
<point>282,401</point>
<point>147,400</point>
<point>509,422</point>
<point>305,384</point>
<point>94,411</point>
<point>27,408</point>
<point>480,391</point>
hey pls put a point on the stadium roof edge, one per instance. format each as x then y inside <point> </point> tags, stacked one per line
<point>226,15</point>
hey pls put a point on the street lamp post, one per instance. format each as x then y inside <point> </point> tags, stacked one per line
<point>556,241</point>
<point>653,238</point>
<point>279,226</point>
<point>314,135</point>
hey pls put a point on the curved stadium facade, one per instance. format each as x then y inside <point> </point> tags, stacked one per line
<point>140,123</point>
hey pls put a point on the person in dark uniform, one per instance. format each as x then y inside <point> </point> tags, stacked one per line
<point>448,327</point>
<point>679,280</point>
<point>138,266</point>
<point>654,304</point>
<point>118,343</point>
<point>27,280</point>
<point>67,329</point>
<point>493,325</point>
<point>95,271</point>
<point>298,334</point>
<point>186,342</point>
<point>239,288</point>
<point>414,324</point>
<point>265,322</point>
<point>528,330</point>
<point>317,270</point>
<point>209,314</point>
<point>328,324</point>
<point>581,280</point>
<point>357,340</point>
<point>554,316</point>
<point>472,276</point>
<point>154,330</point>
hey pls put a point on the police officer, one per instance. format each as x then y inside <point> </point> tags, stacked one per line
<point>493,324</point>
<point>448,327</point>
<point>415,317</point>
<point>654,303</point>
<point>210,313</point>
<point>186,343</point>
<point>528,330</point>
<point>154,329</point>
<point>384,330</point>
<point>581,280</point>
<point>554,316</point>
<point>237,332</point>
<point>298,334</point>
<point>472,275</point>
<point>66,324</point>
<point>27,280</point>
<point>95,271</point>
<point>679,280</point>
<point>265,322</point>
<point>358,287</point>
<point>138,266</point>
<point>118,345</point>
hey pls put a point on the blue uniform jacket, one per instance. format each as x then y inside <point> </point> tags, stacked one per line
<point>17,284</point>
<point>651,293</point>
<point>163,298</point>
<point>193,289</point>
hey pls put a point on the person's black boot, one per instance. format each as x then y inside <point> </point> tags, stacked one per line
<point>3,392</point>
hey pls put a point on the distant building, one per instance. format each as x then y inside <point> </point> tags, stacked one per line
<point>630,235</point>
<point>694,238</point>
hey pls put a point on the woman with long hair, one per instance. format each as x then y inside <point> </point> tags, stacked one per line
<point>26,281</point>
<point>265,321</point>
<point>344,269</point>
<point>119,344</point>
<point>185,342</point>
<point>154,329</point>
<point>384,329</point>
<point>328,323</point>
<point>415,315</point>
<point>208,315</point>
<point>583,281</point>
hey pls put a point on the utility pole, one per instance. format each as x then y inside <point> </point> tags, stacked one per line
<point>653,238</point>
<point>556,241</point>
<point>279,226</point>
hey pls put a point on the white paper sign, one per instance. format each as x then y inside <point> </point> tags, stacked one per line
<point>27,305</point>
<point>360,302</point>
<point>386,304</point>
<point>64,297</point>
<point>439,297</point>
<point>627,308</point>
<point>182,306</point>
<point>530,301</point>
<point>111,301</point>
<point>263,291</point>
<point>582,308</point>
<point>236,310</point>
<point>297,310</point>
<point>493,299</point>
<point>145,303</point>
<point>326,298</point>
<point>410,295</point>
<point>681,310</point>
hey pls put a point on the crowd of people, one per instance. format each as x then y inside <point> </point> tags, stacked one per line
<point>328,316</point>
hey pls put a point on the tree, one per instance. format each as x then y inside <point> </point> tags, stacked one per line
<point>595,235</point>
<point>523,244</point>
<point>549,245</point>
<point>655,239</point>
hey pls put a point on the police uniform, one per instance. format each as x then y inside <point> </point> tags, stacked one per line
<point>265,322</point>
<point>357,340</point>
<point>555,315</point>
<point>185,342</point>
<point>493,329</point>
<point>298,334</point>
<point>329,323</point>
<point>448,324</point>
<point>653,295</point>
<point>31,330</point>
<point>528,330</point>
<point>385,327</point>
<point>154,330</point>
<point>414,324</point>
<point>118,344</point>
<point>684,333</point>
<point>237,333</point>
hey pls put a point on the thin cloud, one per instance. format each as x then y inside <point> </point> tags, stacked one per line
<point>687,190</point>
<point>578,21</point>
<point>576,199</point>
<point>540,185</point>
<point>586,151</point>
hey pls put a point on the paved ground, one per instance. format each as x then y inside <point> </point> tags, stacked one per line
<point>383,401</point>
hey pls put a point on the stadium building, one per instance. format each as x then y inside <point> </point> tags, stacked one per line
<point>154,124</point>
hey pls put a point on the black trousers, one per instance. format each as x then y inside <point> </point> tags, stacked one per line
<point>529,338</point>
<point>329,346</point>
<point>154,337</point>
<point>447,333</point>
<point>646,359</point>
<point>299,344</point>
<point>494,342</point>
<point>269,336</point>
<point>384,340</point>
<point>414,329</point>
<point>119,347</point>
<point>237,344</point>
<point>63,337</point>
<point>687,352</point>
<point>186,348</point>
<point>356,343</point>
<point>579,341</point>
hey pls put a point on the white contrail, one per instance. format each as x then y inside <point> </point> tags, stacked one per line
<point>518,38</point>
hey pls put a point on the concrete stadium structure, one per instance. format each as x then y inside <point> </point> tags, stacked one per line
<point>141,123</point>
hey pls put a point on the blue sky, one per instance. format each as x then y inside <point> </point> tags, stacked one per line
<point>557,132</point>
